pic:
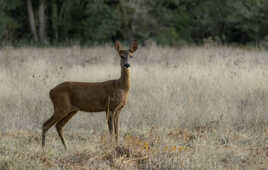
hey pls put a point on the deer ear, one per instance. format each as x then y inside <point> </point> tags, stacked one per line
<point>117,46</point>
<point>134,46</point>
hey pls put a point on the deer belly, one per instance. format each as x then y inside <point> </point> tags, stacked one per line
<point>91,105</point>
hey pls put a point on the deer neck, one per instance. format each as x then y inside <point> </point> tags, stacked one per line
<point>125,78</point>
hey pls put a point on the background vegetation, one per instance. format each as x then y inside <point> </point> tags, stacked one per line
<point>193,107</point>
<point>188,108</point>
<point>169,22</point>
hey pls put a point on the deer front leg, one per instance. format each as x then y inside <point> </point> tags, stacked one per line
<point>109,117</point>
<point>108,108</point>
<point>116,122</point>
<point>110,124</point>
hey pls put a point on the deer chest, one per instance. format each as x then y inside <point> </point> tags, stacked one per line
<point>118,97</point>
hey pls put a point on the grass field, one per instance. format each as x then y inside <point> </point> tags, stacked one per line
<point>188,108</point>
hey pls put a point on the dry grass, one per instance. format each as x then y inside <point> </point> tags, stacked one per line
<point>209,148</point>
<point>190,108</point>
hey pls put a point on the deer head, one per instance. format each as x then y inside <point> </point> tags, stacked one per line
<point>126,54</point>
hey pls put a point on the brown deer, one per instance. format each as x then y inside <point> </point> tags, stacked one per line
<point>110,96</point>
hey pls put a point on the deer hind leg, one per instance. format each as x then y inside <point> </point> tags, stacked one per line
<point>61,124</point>
<point>46,126</point>
<point>62,107</point>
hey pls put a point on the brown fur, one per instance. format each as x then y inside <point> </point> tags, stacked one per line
<point>70,97</point>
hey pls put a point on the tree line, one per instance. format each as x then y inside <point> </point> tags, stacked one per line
<point>167,22</point>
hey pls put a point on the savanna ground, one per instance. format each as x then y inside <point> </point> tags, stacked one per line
<point>189,108</point>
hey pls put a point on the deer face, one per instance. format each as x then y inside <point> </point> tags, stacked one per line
<point>126,54</point>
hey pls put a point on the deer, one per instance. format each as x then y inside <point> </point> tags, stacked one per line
<point>109,96</point>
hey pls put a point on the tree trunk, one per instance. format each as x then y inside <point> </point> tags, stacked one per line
<point>55,20</point>
<point>31,20</point>
<point>42,21</point>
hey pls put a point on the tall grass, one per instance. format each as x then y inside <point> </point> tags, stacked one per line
<point>189,108</point>
<point>170,87</point>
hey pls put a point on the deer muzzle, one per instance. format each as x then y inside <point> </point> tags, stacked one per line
<point>126,65</point>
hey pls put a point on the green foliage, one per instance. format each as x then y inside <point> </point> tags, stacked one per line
<point>8,24</point>
<point>101,23</point>
<point>167,36</point>
<point>175,24</point>
<point>167,22</point>
<point>238,21</point>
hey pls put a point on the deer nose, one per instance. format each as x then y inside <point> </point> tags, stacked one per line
<point>127,65</point>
